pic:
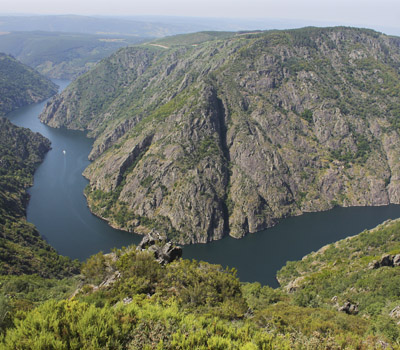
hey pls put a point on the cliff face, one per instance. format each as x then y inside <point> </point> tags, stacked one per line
<point>230,135</point>
<point>21,85</point>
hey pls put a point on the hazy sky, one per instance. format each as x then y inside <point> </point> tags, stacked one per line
<point>370,13</point>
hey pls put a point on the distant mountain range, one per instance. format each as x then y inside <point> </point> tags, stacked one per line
<point>62,55</point>
<point>155,26</point>
<point>136,26</point>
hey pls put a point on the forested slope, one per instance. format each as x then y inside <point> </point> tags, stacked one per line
<point>22,250</point>
<point>21,85</point>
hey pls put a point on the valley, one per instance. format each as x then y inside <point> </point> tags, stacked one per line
<point>59,210</point>
<point>59,55</point>
<point>287,140</point>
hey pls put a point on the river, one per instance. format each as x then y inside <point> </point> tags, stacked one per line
<point>58,209</point>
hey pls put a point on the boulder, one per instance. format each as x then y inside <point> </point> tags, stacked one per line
<point>349,308</point>
<point>395,313</point>
<point>386,260</point>
<point>127,300</point>
<point>374,265</point>
<point>110,280</point>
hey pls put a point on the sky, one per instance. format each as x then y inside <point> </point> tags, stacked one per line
<point>368,13</point>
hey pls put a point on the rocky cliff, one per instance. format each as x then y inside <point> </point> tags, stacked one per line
<point>232,133</point>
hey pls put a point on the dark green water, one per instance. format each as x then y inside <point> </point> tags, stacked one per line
<point>57,206</point>
<point>58,209</point>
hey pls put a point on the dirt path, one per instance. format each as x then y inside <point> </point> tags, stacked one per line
<point>158,45</point>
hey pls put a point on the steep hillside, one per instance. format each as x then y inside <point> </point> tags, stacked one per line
<point>21,85</point>
<point>231,133</point>
<point>128,300</point>
<point>363,271</point>
<point>22,250</point>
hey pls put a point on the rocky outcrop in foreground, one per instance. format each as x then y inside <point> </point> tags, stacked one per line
<point>155,243</point>
<point>164,251</point>
<point>230,135</point>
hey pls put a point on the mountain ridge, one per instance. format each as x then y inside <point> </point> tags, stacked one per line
<point>59,55</point>
<point>234,134</point>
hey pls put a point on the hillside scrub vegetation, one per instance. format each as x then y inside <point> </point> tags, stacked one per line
<point>127,300</point>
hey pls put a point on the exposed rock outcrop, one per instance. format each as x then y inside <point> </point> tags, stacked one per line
<point>110,280</point>
<point>164,251</point>
<point>395,314</point>
<point>154,242</point>
<point>386,260</point>
<point>294,285</point>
